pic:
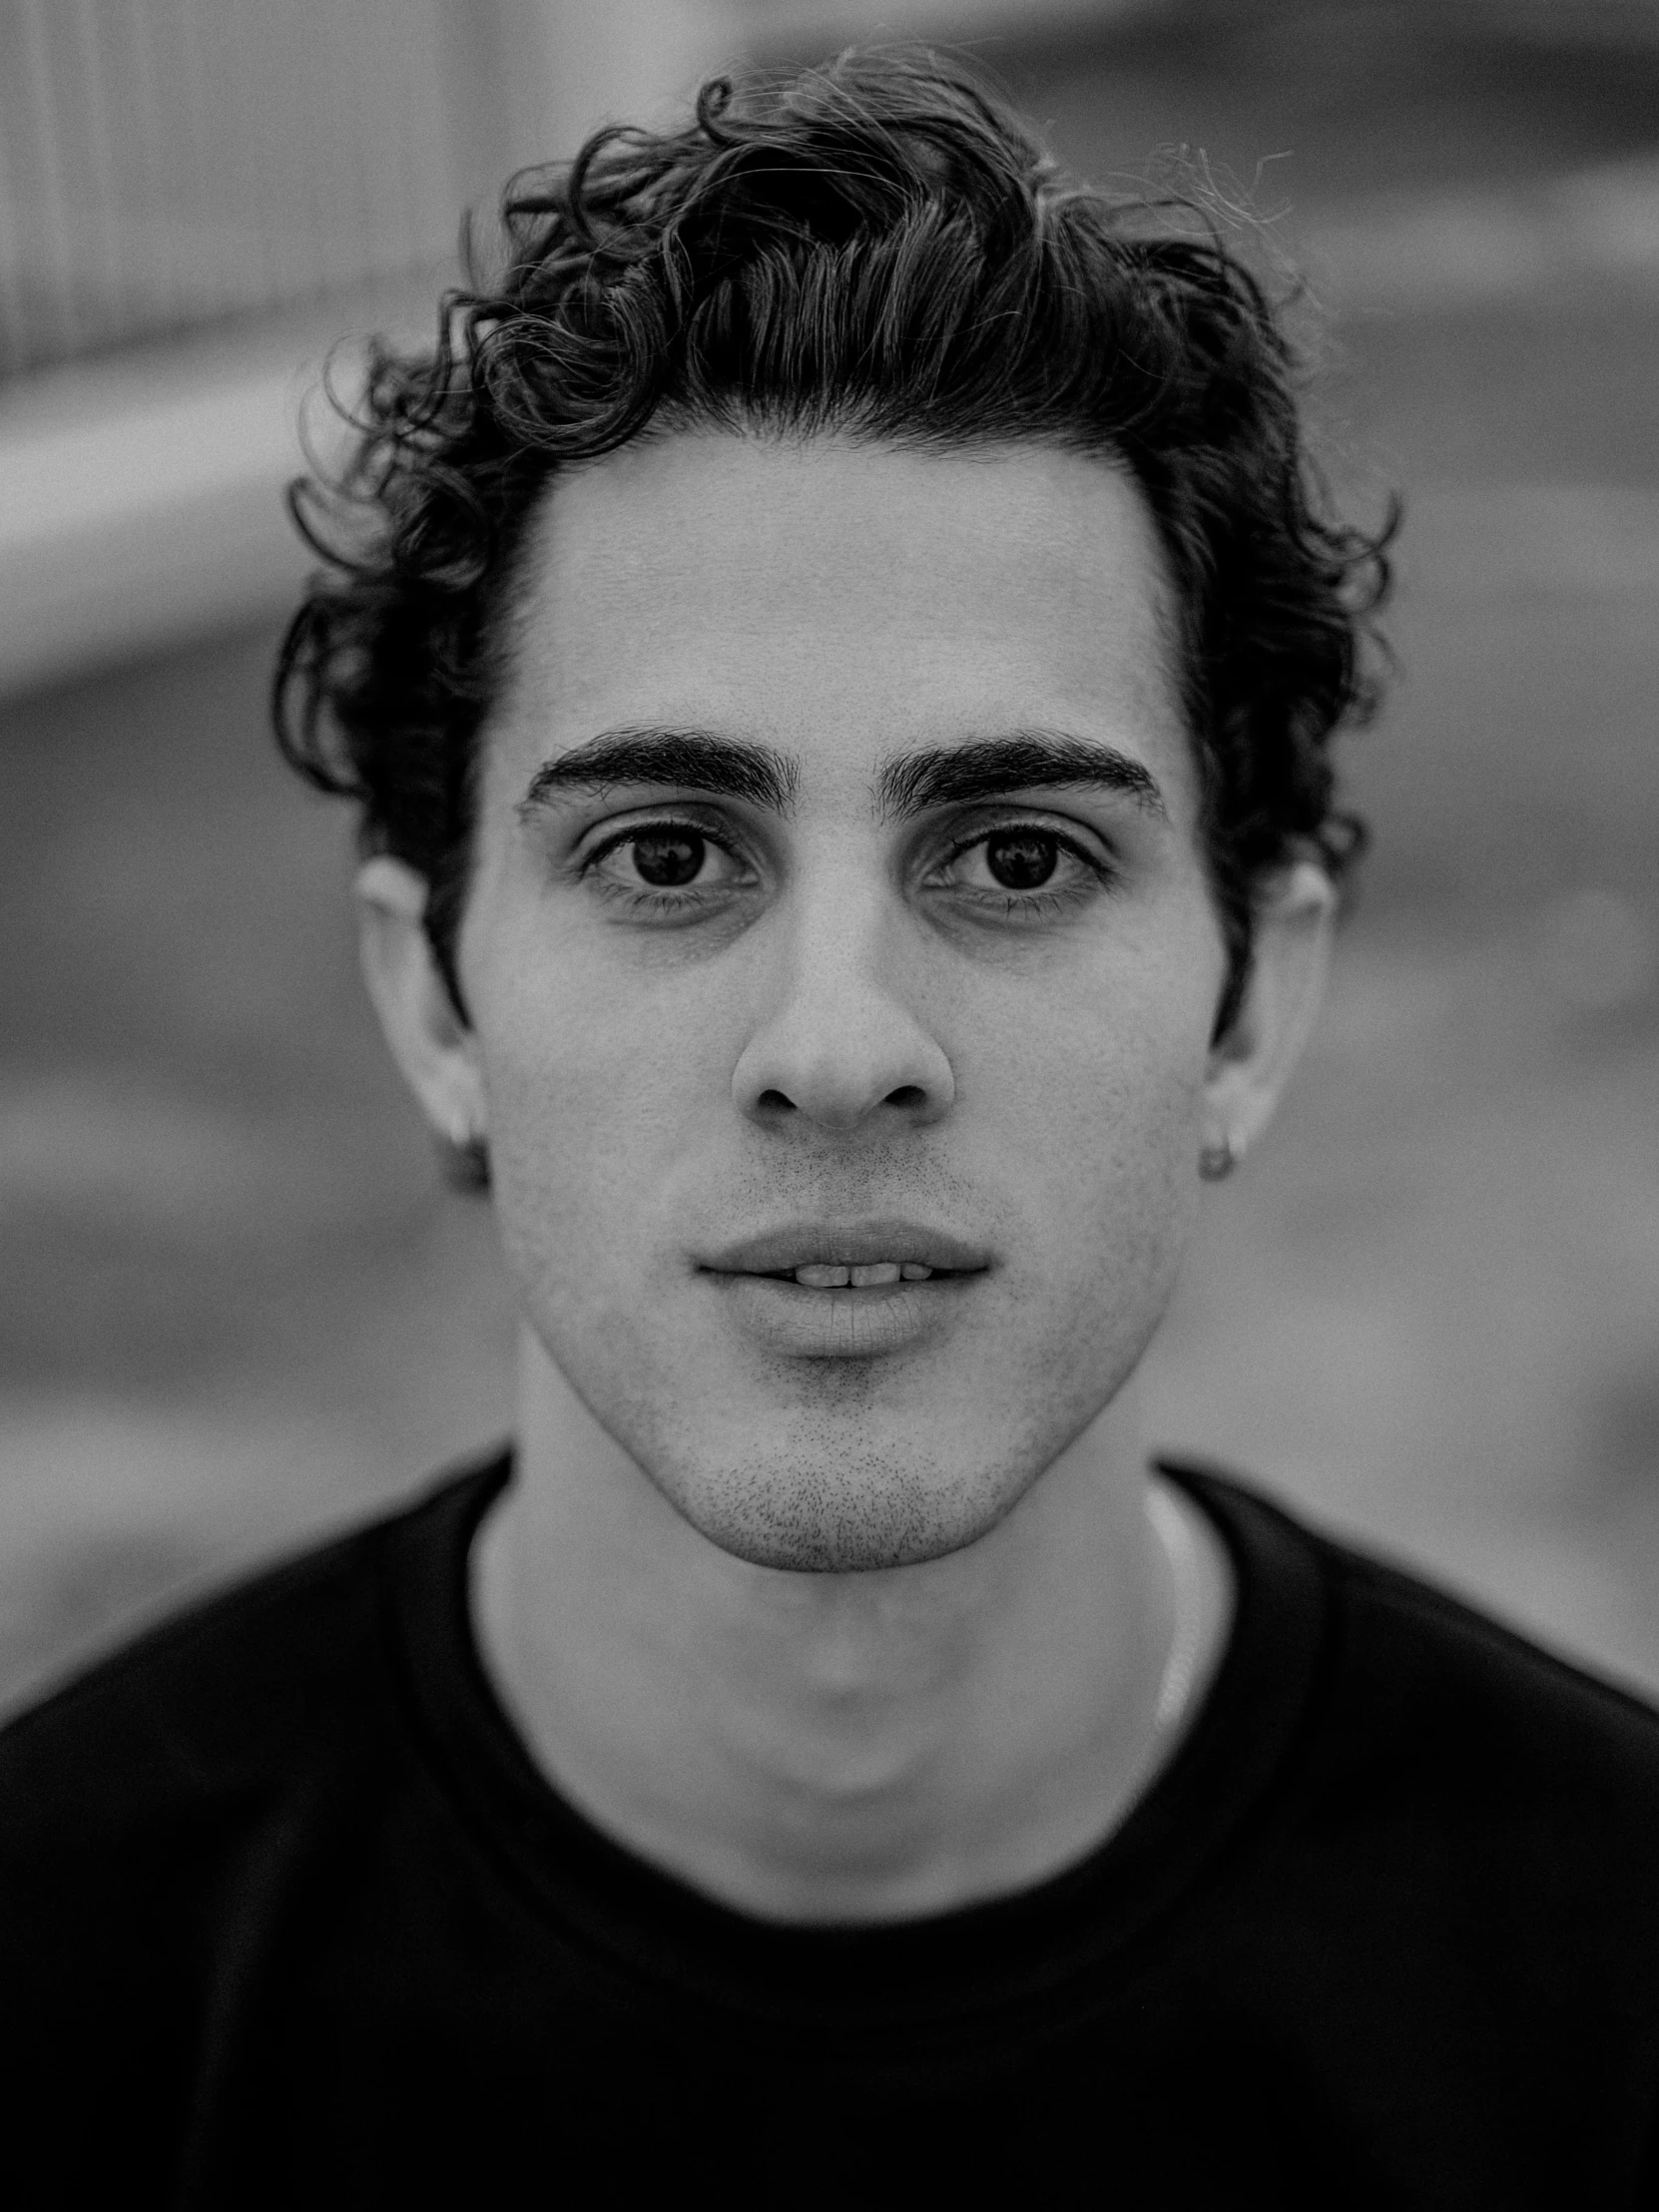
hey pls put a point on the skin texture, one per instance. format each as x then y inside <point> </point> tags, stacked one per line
<point>840,1605</point>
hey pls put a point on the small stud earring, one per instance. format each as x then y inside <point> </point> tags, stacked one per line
<point>1216,1160</point>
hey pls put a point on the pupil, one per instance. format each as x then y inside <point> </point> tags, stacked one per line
<point>1020,860</point>
<point>669,857</point>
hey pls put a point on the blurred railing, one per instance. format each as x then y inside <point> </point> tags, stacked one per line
<point>243,182</point>
<point>169,163</point>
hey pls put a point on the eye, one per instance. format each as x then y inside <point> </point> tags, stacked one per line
<point>1021,859</point>
<point>1023,869</point>
<point>662,868</point>
<point>668,858</point>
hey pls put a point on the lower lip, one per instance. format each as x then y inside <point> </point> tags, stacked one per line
<point>865,1324</point>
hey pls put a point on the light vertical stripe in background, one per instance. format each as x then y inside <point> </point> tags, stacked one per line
<point>45,282</point>
<point>168,164</point>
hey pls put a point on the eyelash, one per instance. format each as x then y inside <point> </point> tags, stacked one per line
<point>651,902</point>
<point>1031,904</point>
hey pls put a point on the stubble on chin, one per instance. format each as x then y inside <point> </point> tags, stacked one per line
<point>836,1508</point>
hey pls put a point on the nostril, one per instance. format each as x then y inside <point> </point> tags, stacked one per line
<point>907,1094</point>
<point>775,1102</point>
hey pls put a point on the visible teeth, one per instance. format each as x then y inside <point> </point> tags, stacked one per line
<point>830,1275</point>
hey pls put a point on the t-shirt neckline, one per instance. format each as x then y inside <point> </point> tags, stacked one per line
<point>581,1887</point>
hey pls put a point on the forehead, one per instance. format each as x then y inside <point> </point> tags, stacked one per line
<point>844,599</point>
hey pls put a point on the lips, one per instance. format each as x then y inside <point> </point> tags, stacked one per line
<point>863,1245</point>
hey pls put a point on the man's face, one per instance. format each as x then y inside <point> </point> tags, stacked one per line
<point>839,917</point>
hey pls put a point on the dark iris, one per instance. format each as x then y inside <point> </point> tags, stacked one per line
<point>668,858</point>
<point>1020,860</point>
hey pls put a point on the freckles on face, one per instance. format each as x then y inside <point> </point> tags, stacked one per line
<point>838,879</point>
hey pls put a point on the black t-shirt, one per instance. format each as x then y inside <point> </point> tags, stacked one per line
<point>289,1917</point>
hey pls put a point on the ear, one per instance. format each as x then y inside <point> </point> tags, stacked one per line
<point>428,1039</point>
<point>1251,1065</point>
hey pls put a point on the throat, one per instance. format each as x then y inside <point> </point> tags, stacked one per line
<point>861,1747</point>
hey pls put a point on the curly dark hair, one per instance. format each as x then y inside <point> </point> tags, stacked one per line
<point>877,248</point>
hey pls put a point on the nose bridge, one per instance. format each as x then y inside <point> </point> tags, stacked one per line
<point>840,937</point>
<point>839,1037</point>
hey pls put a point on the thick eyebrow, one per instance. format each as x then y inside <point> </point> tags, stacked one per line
<point>1025,759</point>
<point>688,760</point>
<point>907,784</point>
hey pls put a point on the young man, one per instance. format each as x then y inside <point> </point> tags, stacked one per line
<point>836,651</point>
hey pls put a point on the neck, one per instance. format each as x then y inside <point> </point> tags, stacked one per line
<point>839,1747</point>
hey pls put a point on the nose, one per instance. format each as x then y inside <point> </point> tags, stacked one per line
<point>841,1045</point>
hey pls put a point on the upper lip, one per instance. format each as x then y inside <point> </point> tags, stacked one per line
<point>848,1244</point>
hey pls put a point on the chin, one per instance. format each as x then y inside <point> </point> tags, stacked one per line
<point>845,1522</point>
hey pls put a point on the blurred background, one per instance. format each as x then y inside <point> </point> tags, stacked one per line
<point>236,1308</point>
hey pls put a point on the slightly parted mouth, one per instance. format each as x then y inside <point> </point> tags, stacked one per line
<point>828,1249</point>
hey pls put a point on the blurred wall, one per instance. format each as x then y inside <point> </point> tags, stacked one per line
<point>798,26</point>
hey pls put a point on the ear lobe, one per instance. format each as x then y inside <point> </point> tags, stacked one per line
<point>430,1043</point>
<point>1251,1064</point>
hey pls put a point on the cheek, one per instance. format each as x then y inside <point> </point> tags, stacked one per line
<point>594,1089</point>
<point>1111,1058</point>
<point>1120,1158</point>
<point>1099,1097</point>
